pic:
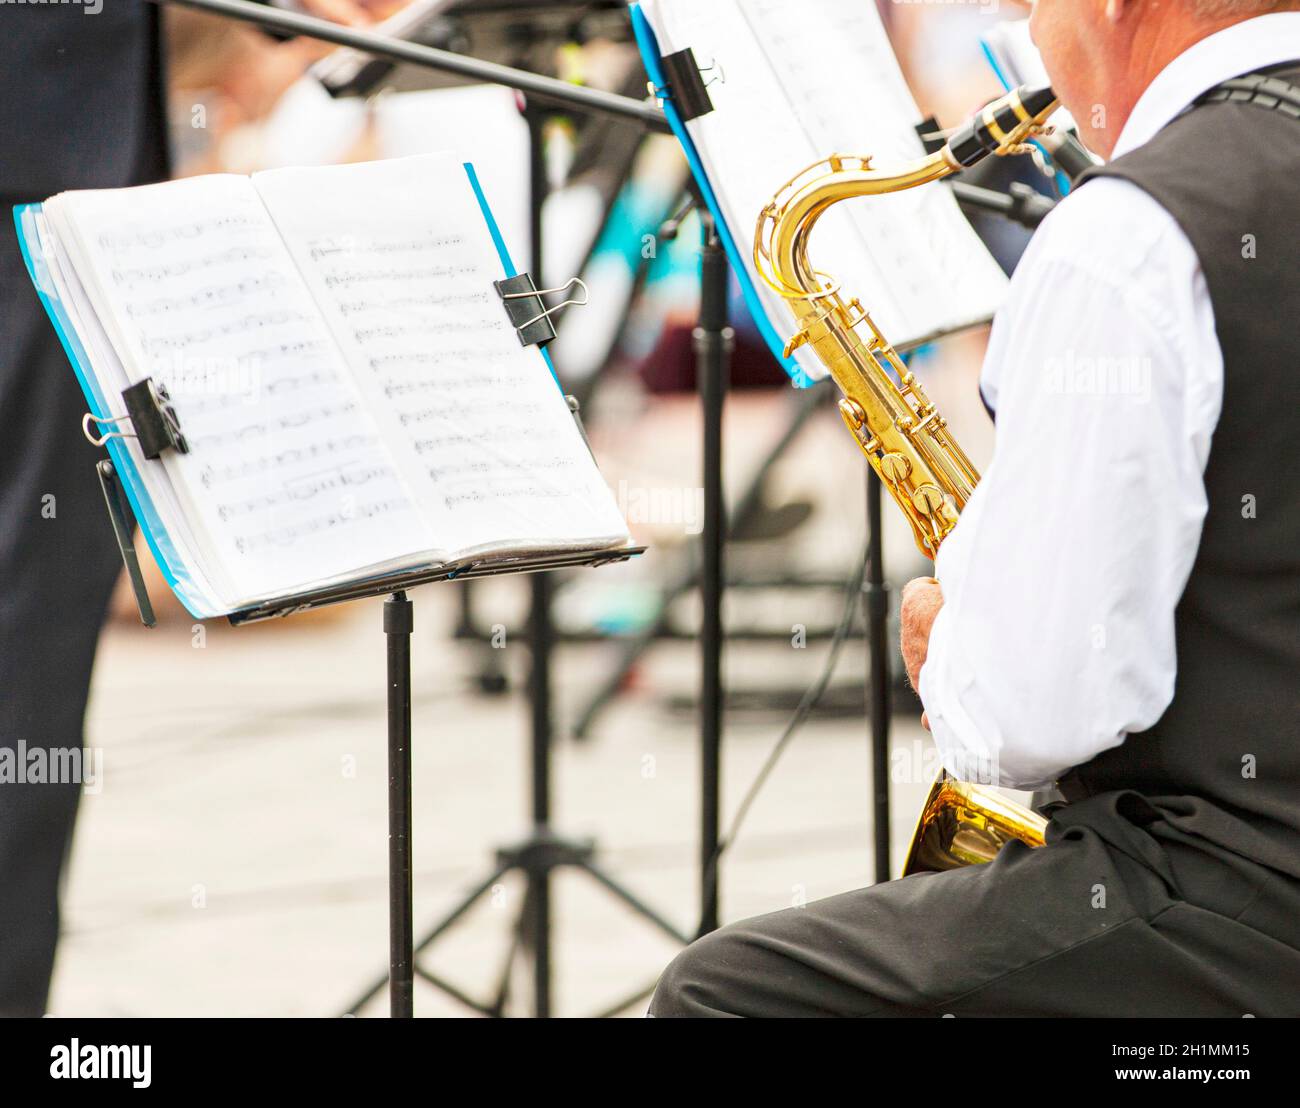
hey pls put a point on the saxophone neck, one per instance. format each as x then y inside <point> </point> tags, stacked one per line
<point>1003,128</point>
<point>786,225</point>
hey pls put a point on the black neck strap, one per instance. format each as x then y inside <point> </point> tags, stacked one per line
<point>1258,89</point>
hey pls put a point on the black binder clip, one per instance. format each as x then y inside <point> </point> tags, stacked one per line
<point>686,85</point>
<point>528,313</point>
<point>152,418</point>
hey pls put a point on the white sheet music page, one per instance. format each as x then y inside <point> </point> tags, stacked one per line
<point>286,473</point>
<point>400,258</point>
<point>792,84</point>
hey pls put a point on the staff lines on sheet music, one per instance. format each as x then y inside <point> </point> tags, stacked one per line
<point>192,404</point>
<point>152,274</point>
<point>251,322</point>
<point>493,383</point>
<point>364,335</point>
<point>456,409</point>
<point>306,346</point>
<point>288,422</point>
<point>481,496</point>
<point>156,237</point>
<point>217,475</point>
<point>507,431</point>
<point>322,249</point>
<point>466,469</point>
<point>305,487</point>
<point>218,296</point>
<point>382,361</point>
<point>347,308</point>
<point>288,535</point>
<point>360,277</point>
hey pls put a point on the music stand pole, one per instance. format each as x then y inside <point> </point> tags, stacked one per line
<point>714,341</point>
<point>398,624</point>
<point>541,634</point>
<point>875,597</point>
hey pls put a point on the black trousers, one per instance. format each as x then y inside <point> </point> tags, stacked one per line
<point>58,563</point>
<point>1111,918</point>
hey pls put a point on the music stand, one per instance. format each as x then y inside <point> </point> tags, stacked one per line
<point>543,851</point>
<point>155,426</point>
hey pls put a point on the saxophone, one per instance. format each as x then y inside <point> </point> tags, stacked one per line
<point>905,439</point>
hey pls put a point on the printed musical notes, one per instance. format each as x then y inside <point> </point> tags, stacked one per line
<point>796,83</point>
<point>353,397</point>
<point>401,263</point>
<point>206,300</point>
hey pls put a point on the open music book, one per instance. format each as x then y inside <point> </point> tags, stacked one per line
<point>354,398</point>
<point>791,84</point>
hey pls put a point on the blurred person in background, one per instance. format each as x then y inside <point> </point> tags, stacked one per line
<point>82,105</point>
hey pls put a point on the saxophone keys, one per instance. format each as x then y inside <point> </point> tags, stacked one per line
<point>853,414</point>
<point>895,468</point>
<point>801,339</point>
<point>929,501</point>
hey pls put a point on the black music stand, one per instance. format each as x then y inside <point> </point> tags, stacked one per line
<point>543,851</point>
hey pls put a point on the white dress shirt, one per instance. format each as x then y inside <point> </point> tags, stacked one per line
<point>1056,638</point>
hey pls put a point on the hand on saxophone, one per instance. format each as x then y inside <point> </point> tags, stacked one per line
<point>922,599</point>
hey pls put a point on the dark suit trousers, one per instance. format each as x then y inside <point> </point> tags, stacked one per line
<point>1109,919</point>
<point>58,563</point>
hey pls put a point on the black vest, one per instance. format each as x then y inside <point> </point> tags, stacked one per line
<point>1229,173</point>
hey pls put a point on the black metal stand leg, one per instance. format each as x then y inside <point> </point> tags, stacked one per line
<point>537,924</point>
<point>876,602</point>
<point>398,624</point>
<point>713,344</point>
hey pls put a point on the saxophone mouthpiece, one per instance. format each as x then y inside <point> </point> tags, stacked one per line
<point>1002,126</point>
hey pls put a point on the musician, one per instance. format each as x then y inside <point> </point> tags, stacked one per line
<point>1119,608</point>
<point>81,106</point>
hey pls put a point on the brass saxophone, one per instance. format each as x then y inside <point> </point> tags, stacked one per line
<point>898,428</point>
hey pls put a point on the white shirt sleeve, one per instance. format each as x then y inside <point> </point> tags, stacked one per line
<point>1056,638</point>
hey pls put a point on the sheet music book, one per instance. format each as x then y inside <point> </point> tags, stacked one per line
<point>354,398</point>
<point>790,85</point>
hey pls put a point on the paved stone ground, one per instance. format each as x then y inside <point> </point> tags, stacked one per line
<point>234,862</point>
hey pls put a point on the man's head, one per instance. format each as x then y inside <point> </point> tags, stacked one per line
<point>1102,54</point>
